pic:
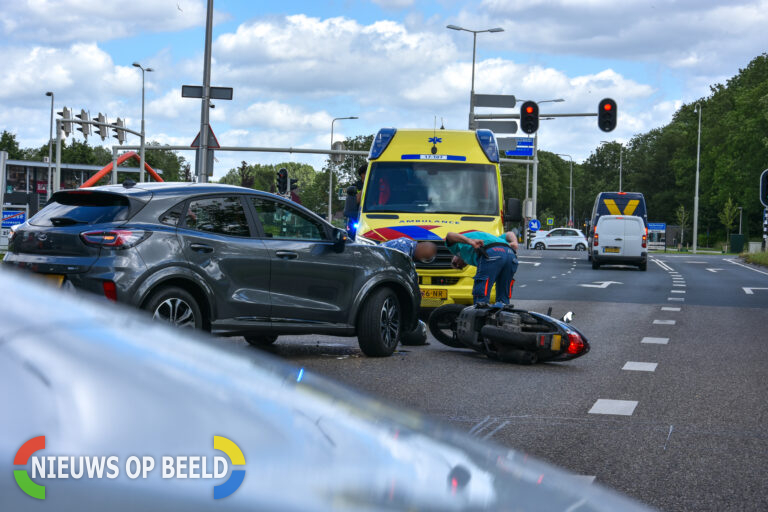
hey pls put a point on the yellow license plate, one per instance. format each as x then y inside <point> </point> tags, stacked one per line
<point>556,339</point>
<point>434,294</point>
<point>611,249</point>
<point>54,279</point>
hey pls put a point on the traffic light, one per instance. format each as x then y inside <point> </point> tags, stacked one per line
<point>84,127</point>
<point>282,181</point>
<point>294,183</point>
<point>529,117</point>
<point>764,188</point>
<point>103,131</point>
<point>119,132</point>
<point>66,121</point>
<point>606,115</point>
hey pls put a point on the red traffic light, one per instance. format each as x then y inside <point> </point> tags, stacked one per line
<point>606,114</point>
<point>607,106</point>
<point>529,110</point>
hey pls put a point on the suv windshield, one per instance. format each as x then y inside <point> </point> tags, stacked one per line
<point>432,187</point>
<point>66,209</point>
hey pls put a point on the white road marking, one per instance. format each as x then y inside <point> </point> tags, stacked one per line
<point>539,280</point>
<point>668,308</point>
<point>696,262</point>
<point>600,284</point>
<point>523,285</point>
<point>534,263</point>
<point>655,341</point>
<point>583,479</point>
<point>478,425</point>
<point>679,284</point>
<point>562,274</point>
<point>640,367</point>
<point>490,434</point>
<point>678,299</point>
<point>617,407</point>
<point>664,322</point>
<point>662,264</point>
<point>714,270</point>
<point>751,291</point>
<point>678,291</point>
<point>745,266</point>
<point>526,256</point>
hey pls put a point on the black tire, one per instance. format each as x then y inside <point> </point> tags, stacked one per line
<point>581,247</point>
<point>643,266</point>
<point>261,340</point>
<point>442,324</point>
<point>416,337</point>
<point>175,306</point>
<point>539,246</point>
<point>595,264</point>
<point>378,324</point>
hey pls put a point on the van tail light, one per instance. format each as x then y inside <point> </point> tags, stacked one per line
<point>110,290</point>
<point>575,343</point>
<point>645,241</point>
<point>596,239</point>
<point>114,239</point>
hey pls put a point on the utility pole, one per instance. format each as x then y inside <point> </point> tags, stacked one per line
<point>696,194</point>
<point>206,100</point>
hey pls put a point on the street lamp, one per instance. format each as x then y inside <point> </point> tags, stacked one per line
<point>143,138</point>
<point>741,210</point>
<point>621,155</point>
<point>474,52</point>
<point>50,150</point>
<point>330,169</point>
<point>696,194</point>
<point>570,192</point>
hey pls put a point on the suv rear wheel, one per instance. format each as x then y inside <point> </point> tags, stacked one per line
<point>378,324</point>
<point>175,306</point>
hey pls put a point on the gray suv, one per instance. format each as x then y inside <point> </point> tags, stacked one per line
<point>232,260</point>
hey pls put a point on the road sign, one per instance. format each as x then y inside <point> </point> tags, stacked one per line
<point>13,217</point>
<point>337,158</point>
<point>657,226</point>
<point>498,126</point>
<point>213,142</point>
<point>550,221</point>
<point>495,100</point>
<point>196,91</point>
<point>516,146</point>
<point>534,224</point>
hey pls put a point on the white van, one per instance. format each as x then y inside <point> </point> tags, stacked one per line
<point>621,240</point>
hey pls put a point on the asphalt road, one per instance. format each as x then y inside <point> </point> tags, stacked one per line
<point>685,429</point>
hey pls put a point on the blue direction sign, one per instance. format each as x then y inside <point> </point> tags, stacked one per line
<point>13,217</point>
<point>534,224</point>
<point>657,226</point>
<point>524,147</point>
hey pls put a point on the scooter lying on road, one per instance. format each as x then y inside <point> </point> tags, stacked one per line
<point>508,334</point>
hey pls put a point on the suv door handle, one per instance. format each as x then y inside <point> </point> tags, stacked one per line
<point>286,255</point>
<point>201,248</point>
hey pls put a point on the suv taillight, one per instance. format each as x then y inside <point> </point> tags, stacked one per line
<point>596,240</point>
<point>115,239</point>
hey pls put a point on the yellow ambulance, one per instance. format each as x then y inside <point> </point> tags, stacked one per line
<point>422,184</point>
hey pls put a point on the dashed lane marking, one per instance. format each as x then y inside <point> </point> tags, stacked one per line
<point>678,299</point>
<point>678,291</point>
<point>663,322</point>
<point>655,341</point>
<point>669,308</point>
<point>678,284</point>
<point>615,407</point>
<point>640,367</point>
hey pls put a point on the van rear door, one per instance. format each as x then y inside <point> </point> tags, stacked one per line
<point>610,230</point>
<point>634,229</point>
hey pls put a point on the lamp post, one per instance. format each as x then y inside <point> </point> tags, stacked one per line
<point>570,192</point>
<point>143,137</point>
<point>474,52</point>
<point>330,169</point>
<point>741,210</point>
<point>696,193</point>
<point>50,150</point>
<point>621,159</point>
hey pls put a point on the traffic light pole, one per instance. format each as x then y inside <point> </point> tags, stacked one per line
<point>202,176</point>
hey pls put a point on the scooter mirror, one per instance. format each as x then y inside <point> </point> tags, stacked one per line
<point>568,317</point>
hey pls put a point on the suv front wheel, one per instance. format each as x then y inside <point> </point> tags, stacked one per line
<point>175,306</point>
<point>378,324</point>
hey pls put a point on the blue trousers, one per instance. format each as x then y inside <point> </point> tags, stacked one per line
<point>499,269</point>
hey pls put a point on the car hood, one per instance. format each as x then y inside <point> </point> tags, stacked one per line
<point>98,379</point>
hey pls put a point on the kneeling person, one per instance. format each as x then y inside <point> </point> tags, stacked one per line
<point>417,251</point>
<point>495,258</point>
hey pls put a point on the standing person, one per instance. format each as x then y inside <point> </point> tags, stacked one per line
<point>495,258</point>
<point>352,202</point>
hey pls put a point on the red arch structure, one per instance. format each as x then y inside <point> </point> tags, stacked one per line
<point>108,168</point>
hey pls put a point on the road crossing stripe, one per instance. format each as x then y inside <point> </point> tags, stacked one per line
<point>668,308</point>
<point>678,299</point>
<point>678,291</point>
<point>664,322</point>
<point>655,341</point>
<point>639,367</point>
<point>614,407</point>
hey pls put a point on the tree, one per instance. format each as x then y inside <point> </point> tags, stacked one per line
<point>727,217</point>
<point>682,217</point>
<point>9,143</point>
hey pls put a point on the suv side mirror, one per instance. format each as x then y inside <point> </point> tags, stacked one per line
<point>514,211</point>
<point>339,238</point>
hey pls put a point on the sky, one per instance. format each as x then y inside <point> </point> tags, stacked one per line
<point>295,65</point>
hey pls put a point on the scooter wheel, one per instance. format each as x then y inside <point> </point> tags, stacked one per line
<point>442,324</point>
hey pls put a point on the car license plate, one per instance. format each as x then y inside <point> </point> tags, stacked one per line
<point>54,279</point>
<point>611,249</point>
<point>434,294</point>
<point>555,346</point>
